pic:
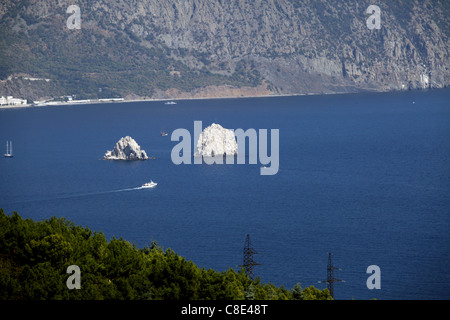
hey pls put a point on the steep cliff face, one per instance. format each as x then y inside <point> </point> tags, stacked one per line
<point>158,48</point>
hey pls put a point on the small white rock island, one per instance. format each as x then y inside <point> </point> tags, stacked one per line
<point>215,141</point>
<point>126,149</point>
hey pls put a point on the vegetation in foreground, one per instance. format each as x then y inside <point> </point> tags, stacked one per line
<point>34,257</point>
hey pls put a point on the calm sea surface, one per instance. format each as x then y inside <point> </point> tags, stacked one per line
<point>364,176</point>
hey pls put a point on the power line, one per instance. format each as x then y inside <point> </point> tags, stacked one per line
<point>249,263</point>
<point>330,276</point>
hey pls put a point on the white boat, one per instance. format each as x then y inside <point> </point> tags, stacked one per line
<point>170,102</point>
<point>8,153</point>
<point>150,184</point>
<point>163,133</point>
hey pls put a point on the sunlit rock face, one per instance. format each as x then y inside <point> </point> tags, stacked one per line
<point>215,141</point>
<point>126,149</point>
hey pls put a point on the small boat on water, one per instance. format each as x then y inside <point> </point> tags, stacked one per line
<point>150,184</point>
<point>170,102</point>
<point>9,153</point>
<point>163,133</point>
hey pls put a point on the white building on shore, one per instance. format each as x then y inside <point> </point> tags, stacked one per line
<point>10,100</point>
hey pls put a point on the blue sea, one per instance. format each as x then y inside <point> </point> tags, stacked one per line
<point>363,176</point>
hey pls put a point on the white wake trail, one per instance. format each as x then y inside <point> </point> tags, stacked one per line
<point>79,195</point>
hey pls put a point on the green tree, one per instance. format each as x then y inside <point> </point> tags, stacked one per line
<point>312,293</point>
<point>34,257</point>
<point>297,292</point>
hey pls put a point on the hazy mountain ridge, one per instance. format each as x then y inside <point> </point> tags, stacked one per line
<point>166,48</point>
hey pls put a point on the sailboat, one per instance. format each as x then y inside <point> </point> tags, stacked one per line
<point>8,153</point>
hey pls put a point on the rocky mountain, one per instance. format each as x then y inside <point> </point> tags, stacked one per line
<point>204,48</point>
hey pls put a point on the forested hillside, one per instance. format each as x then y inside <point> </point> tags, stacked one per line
<point>34,257</point>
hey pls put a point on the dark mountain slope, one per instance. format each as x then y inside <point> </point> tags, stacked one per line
<point>162,48</point>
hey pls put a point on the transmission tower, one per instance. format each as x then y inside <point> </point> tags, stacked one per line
<point>249,263</point>
<point>330,276</point>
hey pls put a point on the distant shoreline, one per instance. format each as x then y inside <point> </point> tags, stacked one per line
<point>104,101</point>
<point>116,100</point>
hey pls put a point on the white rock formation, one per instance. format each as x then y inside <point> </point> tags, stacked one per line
<point>216,140</point>
<point>126,149</point>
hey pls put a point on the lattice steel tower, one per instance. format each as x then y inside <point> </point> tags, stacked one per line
<point>249,263</point>
<point>330,276</point>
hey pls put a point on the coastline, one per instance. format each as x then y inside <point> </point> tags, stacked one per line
<point>123,100</point>
<point>104,101</point>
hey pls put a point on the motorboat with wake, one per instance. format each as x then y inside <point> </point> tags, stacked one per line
<point>150,184</point>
